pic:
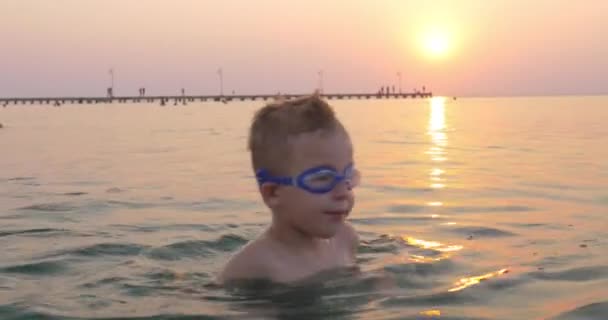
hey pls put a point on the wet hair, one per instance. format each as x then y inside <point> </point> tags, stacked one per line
<point>277,122</point>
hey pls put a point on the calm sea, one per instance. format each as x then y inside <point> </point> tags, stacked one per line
<point>476,208</point>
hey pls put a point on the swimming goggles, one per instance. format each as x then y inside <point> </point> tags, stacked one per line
<point>318,180</point>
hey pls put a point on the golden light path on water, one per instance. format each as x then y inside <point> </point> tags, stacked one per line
<point>431,313</point>
<point>470,281</point>
<point>436,250</point>
<point>438,155</point>
<point>439,140</point>
<point>431,245</point>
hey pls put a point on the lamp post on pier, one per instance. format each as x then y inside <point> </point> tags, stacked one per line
<point>111,88</point>
<point>399,76</point>
<point>220,73</point>
<point>320,73</point>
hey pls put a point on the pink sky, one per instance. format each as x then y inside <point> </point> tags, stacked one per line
<point>66,47</point>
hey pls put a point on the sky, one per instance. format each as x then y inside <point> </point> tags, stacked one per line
<point>459,47</point>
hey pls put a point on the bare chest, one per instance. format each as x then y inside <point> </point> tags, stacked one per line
<point>293,266</point>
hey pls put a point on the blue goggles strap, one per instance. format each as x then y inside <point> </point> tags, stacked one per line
<point>264,176</point>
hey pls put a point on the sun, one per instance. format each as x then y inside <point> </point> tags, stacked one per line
<point>436,44</point>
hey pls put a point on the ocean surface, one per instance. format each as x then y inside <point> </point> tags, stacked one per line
<point>475,208</point>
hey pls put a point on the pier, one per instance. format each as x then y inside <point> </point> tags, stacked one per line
<point>164,100</point>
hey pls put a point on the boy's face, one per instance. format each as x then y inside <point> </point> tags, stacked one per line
<point>318,215</point>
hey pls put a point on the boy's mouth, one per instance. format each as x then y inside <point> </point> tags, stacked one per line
<point>336,212</point>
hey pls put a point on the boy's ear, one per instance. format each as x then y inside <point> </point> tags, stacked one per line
<point>269,191</point>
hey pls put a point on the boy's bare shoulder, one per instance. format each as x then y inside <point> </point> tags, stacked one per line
<point>348,232</point>
<point>349,235</point>
<point>251,262</point>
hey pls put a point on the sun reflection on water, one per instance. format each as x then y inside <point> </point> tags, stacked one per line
<point>470,281</point>
<point>439,140</point>
<point>431,313</point>
<point>442,251</point>
<point>435,245</point>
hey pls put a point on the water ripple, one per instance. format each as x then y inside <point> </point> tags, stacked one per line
<point>75,193</point>
<point>391,220</point>
<point>44,268</point>
<point>35,232</point>
<point>493,209</point>
<point>482,232</point>
<point>589,273</point>
<point>101,249</point>
<point>197,248</point>
<point>21,178</point>
<point>51,207</point>
<point>592,311</point>
<point>441,298</point>
<point>407,208</point>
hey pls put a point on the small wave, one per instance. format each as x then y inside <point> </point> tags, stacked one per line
<point>130,204</point>
<point>76,193</point>
<point>490,209</point>
<point>430,316</point>
<point>114,190</point>
<point>8,283</point>
<point>560,260</point>
<point>114,249</point>
<point>51,207</point>
<point>389,188</point>
<point>21,178</point>
<point>528,225</point>
<point>420,269</point>
<point>103,282</point>
<point>554,186</point>
<point>218,204</point>
<point>441,298</point>
<point>160,228</point>
<point>366,248</point>
<point>390,220</point>
<point>507,283</point>
<point>37,268</point>
<point>407,208</point>
<point>528,193</point>
<point>82,183</point>
<point>17,312</point>
<point>593,311</point>
<point>197,248</point>
<point>101,249</point>
<point>40,231</point>
<point>400,142</point>
<point>544,226</point>
<point>10,217</point>
<point>602,200</point>
<point>169,275</point>
<point>575,274</point>
<point>482,232</point>
<point>406,163</point>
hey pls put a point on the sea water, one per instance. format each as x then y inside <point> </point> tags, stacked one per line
<point>469,208</point>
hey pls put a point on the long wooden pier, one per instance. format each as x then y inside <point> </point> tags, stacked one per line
<point>167,100</point>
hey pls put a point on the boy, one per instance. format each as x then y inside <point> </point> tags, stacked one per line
<point>303,160</point>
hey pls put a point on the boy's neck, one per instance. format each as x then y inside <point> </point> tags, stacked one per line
<point>293,238</point>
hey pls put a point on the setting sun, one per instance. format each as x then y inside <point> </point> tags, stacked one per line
<point>436,44</point>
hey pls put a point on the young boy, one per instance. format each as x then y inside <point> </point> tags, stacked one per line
<point>303,160</point>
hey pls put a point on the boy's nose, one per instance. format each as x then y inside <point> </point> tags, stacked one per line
<point>342,190</point>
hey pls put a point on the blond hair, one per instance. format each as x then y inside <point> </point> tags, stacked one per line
<point>275,123</point>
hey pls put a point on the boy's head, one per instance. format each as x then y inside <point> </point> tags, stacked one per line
<point>303,159</point>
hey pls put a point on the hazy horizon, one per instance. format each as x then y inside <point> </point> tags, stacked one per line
<point>486,49</point>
